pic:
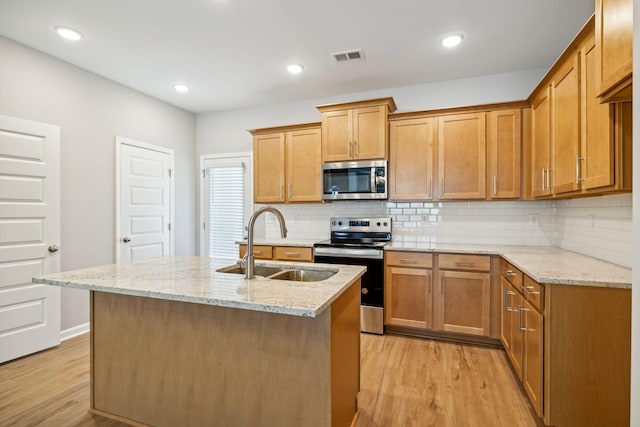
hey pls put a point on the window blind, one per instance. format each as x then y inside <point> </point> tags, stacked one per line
<point>225,209</point>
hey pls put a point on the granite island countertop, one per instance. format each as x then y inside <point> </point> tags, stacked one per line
<point>547,265</point>
<point>195,279</point>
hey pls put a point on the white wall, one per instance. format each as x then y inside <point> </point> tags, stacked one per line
<point>225,132</point>
<point>91,111</point>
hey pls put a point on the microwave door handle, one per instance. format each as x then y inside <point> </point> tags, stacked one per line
<point>373,180</point>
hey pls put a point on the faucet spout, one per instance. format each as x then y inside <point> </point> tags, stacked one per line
<point>283,232</point>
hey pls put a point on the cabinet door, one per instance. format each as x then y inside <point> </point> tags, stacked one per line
<point>504,146</point>
<point>292,253</point>
<point>532,369</point>
<point>464,302</point>
<point>411,160</point>
<point>461,156</point>
<point>336,136</point>
<point>408,297</point>
<point>369,133</point>
<point>596,167</point>
<point>259,251</point>
<point>304,166</point>
<point>540,143</point>
<point>614,39</point>
<point>268,168</point>
<point>507,311</point>
<point>565,125</point>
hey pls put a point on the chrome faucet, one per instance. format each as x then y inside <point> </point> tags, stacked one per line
<point>250,258</point>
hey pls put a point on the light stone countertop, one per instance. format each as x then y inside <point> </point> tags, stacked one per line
<point>548,265</point>
<point>195,280</point>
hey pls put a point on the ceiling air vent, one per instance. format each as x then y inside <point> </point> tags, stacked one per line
<point>348,56</point>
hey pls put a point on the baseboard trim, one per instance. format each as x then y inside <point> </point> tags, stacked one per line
<point>74,331</point>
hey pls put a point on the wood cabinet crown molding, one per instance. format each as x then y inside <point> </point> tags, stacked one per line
<point>482,108</point>
<point>389,102</point>
<point>284,128</point>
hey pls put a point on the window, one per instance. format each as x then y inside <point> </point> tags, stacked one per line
<point>225,203</point>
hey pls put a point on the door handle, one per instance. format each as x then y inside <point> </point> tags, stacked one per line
<point>53,248</point>
<point>126,239</point>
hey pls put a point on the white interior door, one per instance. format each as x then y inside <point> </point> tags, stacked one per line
<point>29,236</point>
<point>145,208</point>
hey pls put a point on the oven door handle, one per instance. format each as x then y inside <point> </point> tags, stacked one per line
<point>349,253</point>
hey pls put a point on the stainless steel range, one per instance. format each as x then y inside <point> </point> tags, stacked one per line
<point>360,241</point>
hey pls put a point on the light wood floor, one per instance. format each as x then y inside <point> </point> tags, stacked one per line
<point>404,382</point>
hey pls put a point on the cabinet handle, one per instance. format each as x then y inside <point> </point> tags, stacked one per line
<point>578,179</point>
<point>257,252</point>
<point>351,154</point>
<point>442,285</point>
<point>355,148</point>
<point>523,329</point>
<point>549,178</point>
<point>289,196</point>
<point>542,178</point>
<point>430,185</point>
<point>441,187</point>
<point>495,185</point>
<point>429,283</point>
<point>292,253</point>
<point>505,300</point>
<point>527,291</point>
<point>281,191</point>
<point>464,263</point>
<point>409,261</point>
<point>519,318</point>
<point>509,273</point>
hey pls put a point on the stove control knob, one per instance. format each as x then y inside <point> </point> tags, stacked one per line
<point>385,224</point>
<point>333,223</point>
<point>378,224</point>
<point>339,222</point>
<point>365,291</point>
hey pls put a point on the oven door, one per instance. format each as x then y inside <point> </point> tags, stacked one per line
<point>371,283</point>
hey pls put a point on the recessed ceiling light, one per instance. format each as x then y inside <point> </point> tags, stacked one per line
<point>295,68</point>
<point>452,40</point>
<point>68,33</point>
<point>181,87</point>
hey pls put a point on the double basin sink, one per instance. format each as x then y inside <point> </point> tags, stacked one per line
<point>281,273</point>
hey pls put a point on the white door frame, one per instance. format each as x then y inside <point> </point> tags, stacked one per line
<point>127,141</point>
<point>201,199</point>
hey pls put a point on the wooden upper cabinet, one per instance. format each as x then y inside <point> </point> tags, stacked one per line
<point>303,165</point>
<point>540,142</point>
<point>411,159</point>
<point>565,127</point>
<point>268,167</point>
<point>287,164</point>
<point>461,156</point>
<point>614,44</point>
<point>356,130</point>
<point>504,154</point>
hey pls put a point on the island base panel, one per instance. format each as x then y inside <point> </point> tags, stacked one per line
<point>161,362</point>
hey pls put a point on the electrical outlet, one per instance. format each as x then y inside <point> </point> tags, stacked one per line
<point>533,219</point>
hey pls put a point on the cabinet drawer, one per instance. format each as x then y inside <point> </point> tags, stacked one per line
<point>409,259</point>
<point>511,274</point>
<point>533,292</point>
<point>464,262</point>
<point>260,251</point>
<point>292,253</point>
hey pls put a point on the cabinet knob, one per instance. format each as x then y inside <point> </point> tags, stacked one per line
<point>53,248</point>
<point>126,239</point>
<point>365,291</point>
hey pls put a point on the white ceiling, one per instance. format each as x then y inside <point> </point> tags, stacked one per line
<point>233,53</point>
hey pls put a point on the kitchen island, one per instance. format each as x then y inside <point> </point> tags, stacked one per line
<point>174,342</point>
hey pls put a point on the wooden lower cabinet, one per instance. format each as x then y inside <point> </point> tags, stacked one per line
<point>421,295</point>
<point>570,346</point>
<point>280,253</point>
<point>409,290</point>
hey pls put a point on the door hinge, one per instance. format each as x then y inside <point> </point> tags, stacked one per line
<point>204,173</point>
<point>170,173</point>
<point>169,226</point>
<point>204,225</point>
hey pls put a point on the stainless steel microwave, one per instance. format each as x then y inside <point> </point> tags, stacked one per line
<point>360,180</point>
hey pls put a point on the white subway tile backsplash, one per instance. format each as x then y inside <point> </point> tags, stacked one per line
<point>596,226</point>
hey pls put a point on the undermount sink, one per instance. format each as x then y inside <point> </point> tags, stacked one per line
<point>292,274</point>
<point>259,270</point>
<point>300,275</point>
